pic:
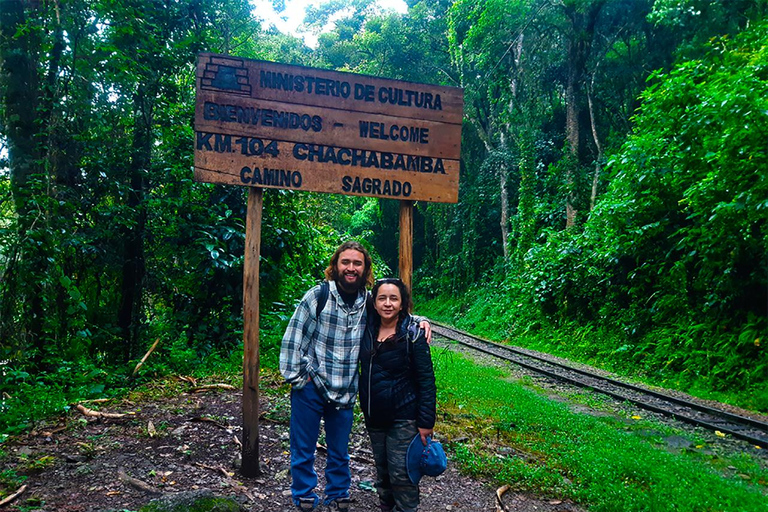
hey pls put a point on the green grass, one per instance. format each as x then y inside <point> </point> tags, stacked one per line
<point>533,443</point>
<point>493,318</point>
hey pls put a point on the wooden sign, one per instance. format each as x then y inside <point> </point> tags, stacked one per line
<point>268,125</point>
<point>275,125</point>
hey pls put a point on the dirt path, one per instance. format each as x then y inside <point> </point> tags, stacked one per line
<point>188,441</point>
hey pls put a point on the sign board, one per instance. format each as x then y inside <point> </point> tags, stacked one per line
<point>273,125</point>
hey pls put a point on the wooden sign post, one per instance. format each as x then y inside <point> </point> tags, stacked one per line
<point>250,451</point>
<point>268,125</point>
<point>406,242</point>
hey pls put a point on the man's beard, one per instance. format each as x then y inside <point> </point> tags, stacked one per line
<point>350,287</point>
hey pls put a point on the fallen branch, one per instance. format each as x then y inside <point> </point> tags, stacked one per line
<point>13,496</point>
<point>205,419</point>
<point>191,380</point>
<point>151,349</point>
<point>49,433</point>
<point>263,417</point>
<point>135,482</point>
<point>99,414</point>
<point>500,507</point>
<point>208,387</point>
<point>218,469</point>
<point>237,441</point>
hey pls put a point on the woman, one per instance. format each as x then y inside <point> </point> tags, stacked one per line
<point>397,391</point>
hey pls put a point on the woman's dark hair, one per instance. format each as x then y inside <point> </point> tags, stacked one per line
<point>332,273</point>
<point>405,297</point>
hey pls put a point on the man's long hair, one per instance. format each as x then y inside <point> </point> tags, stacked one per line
<point>332,273</point>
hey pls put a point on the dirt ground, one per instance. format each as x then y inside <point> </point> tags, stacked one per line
<point>190,441</point>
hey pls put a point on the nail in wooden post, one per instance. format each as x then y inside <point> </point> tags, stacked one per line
<point>250,466</point>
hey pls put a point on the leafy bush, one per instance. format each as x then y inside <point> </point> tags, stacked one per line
<point>28,399</point>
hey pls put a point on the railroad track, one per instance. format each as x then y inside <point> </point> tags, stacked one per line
<point>740,427</point>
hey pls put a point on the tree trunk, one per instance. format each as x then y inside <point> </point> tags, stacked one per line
<point>599,146</point>
<point>572,129</point>
<point>504,212</point>
<point>526,193</point>
<point>133,236</point>
<point>20,85</point>
<point>582,30</point>
<point>504,195</point>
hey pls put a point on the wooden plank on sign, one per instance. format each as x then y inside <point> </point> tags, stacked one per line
<point>278,164</point>
<point>240,116</point>
<point>301,85</point>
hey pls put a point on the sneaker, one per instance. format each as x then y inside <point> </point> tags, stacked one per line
<point>306,504</point>
<point>339,504</point>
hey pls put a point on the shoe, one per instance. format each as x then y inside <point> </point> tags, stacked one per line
<point>339,504</point>
<point>306,504</point>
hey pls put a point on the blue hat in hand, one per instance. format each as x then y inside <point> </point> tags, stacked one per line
<point>423,460</point>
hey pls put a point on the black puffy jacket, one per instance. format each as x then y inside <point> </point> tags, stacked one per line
<point>396,376</point>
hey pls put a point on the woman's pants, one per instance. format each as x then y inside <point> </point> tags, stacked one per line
<point>390,446</point>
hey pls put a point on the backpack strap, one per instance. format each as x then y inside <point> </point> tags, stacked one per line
<point>322,297</point>
<point>412,333</point>
<point>414,330</point>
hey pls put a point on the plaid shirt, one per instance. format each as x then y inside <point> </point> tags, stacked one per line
<point>325,349</point>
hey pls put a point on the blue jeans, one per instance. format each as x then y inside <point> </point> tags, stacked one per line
<point>307,408</point>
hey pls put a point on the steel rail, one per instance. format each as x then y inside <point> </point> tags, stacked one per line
<point>761,440</point>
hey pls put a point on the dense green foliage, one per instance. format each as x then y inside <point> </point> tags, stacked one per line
<point>107,244</point>
<point>612,201</point>
<point>668,274</point>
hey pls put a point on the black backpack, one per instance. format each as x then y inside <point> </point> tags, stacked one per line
<point>322,297</point>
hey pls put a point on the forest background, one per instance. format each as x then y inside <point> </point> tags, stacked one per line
<point>613,203</point>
